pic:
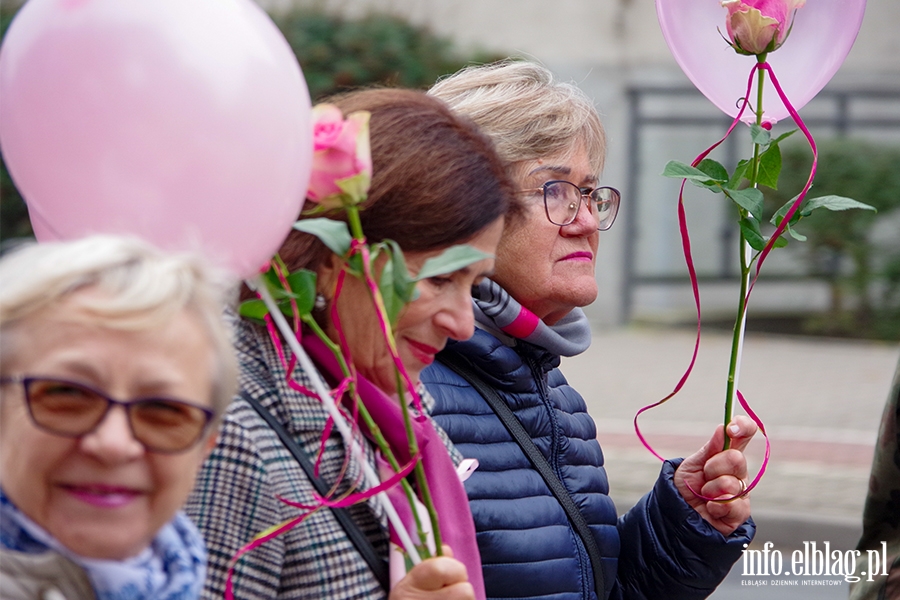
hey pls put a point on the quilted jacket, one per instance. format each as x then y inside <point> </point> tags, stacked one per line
<point>661,548</point>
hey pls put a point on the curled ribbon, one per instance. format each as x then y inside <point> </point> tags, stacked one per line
<point>686,247</point>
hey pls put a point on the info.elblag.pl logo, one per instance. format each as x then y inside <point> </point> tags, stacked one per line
<point>813,561</point>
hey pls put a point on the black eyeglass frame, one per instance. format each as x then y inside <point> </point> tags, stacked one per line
<point>26,381</point>
<point>586,193</point>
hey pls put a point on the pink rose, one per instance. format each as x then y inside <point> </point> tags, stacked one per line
<point>342,159</point>
<point>758,26</point>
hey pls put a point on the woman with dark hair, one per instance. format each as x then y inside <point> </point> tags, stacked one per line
<point>436,183</point>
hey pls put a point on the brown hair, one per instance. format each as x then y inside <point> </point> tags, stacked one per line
<point>436,179</point>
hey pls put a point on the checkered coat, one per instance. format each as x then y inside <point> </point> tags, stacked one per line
<point>236,494</point>
<point>881,516</point>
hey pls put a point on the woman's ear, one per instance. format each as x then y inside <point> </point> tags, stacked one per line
<point>326,276</point>
<point>211,439</point>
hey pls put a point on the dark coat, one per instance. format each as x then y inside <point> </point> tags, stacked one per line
<point>661,548</point>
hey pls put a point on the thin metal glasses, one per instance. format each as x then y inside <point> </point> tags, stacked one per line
<point>73,409</point>
<point>562,199</point>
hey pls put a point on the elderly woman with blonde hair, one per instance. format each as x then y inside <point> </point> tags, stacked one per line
<point>503,400</point>
<point>115,366</point>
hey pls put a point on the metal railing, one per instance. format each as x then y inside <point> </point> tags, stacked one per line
<point>836,112</point>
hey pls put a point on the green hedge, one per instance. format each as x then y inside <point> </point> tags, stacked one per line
<point>337,54</point>
<point>863,270</point>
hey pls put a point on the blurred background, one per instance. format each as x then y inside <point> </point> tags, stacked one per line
<point>845,281</point>
<point>825,315</point>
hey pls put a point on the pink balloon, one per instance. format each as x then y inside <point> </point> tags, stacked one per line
<point>184,122</point>
<point>823,33</point>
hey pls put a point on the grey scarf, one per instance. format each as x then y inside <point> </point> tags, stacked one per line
<point>499,313</point>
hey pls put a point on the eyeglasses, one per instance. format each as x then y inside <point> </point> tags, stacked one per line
<point>73,409</point>
<point>562,199</point>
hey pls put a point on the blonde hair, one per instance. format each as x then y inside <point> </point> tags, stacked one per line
<point>525,111</point>
<point>140,288</point>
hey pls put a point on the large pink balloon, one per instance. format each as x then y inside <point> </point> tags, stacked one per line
<point>185,122</point>
<point>824,31</point>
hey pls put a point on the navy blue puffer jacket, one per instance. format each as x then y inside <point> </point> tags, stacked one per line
<point>661,548</point>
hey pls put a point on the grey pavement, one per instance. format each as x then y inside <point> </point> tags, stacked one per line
<point>820,400</point>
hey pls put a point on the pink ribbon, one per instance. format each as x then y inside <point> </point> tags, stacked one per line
<point>686,247</point>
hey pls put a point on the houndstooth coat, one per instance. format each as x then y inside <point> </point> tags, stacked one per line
<point>235,496</point>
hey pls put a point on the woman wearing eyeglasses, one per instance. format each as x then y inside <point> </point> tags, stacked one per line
<point>546,528</point>
<point>436,183</point>
<point>114,367</point>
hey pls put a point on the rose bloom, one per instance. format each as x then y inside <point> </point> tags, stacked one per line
<point>758,26</point>
<point>340,151</point>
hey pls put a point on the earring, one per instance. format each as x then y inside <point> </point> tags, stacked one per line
<point>320,302</point>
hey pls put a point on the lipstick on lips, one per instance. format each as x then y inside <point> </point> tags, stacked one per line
<point>579,256</point>
<point>422,352</point>
<point>102,496</point>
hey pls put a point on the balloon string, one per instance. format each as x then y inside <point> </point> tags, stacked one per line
<point>258,541</point>
<point>384,325</point>
<point>812,174</point>
<point>689,261</point>
<point>289,366</point>
<point>686,247</point>
<point>350,442</point>
<point>779,230</point>
<point>320,502</point>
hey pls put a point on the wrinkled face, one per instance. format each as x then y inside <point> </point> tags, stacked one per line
<point>550,269</point>
<point>102,495</point>
<point>443,310</point>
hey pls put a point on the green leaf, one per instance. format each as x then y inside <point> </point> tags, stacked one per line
<point>276,288</point>
<point>750,199</point>
<point>355,188</point>
<point>759,135</point>
<point>680,170</point>
<point>770,167</point>
<point>404,284</point>
<point>303,288</point>
<point>740,171</point>
<point>779,214</point>
<point>333,234</point>
<point>834,203</point>
<point>784,136</point>
<point>795,234</point>
<point>781,242</point>
<point>451,259</point>
<point>355,265</point>
<point>714,169</point>
<point>253,309</point>
<point>750,229</point>
<point>393,304</point>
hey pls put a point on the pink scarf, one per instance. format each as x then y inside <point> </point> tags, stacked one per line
<point>449,495</point>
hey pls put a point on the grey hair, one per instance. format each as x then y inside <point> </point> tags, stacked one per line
<point>525,111</point>
<point>141,288</point>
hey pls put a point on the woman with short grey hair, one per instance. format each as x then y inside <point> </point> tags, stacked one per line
<point>547,117</point>
<point>115,367</point>
<point>503,400</point>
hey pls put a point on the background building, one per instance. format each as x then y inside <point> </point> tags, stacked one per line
<point>615,51</point>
